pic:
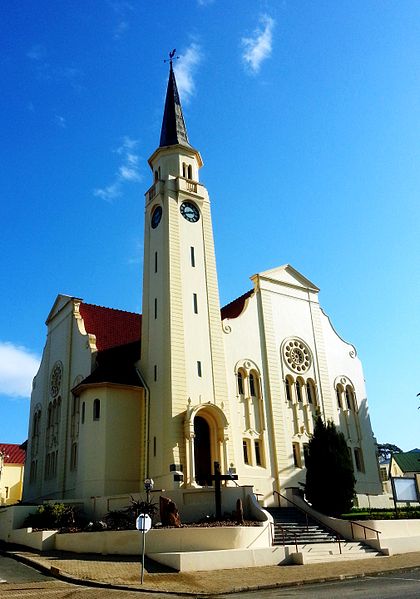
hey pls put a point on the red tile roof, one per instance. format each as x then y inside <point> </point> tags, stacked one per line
<point>111,327</point>
<point>13,454</point>
<point>235,308</point>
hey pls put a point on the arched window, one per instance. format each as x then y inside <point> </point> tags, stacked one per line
<point>339,394</point>
<point>310,392</point>
<point>288,385</point>
<point>351,405</point>
<point>96,409</point>
<point>252,385</point>
<point>36,428</point>
<point>50,415</point>
<point>240,383</point>
<point>299,390</point>
<point>83,412</point>
<point>73,457</point>
<point>184,170</point>
<point>190,171</point>
<point>156,176</point>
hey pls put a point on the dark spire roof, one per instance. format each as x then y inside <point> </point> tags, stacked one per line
<point>173,130</point>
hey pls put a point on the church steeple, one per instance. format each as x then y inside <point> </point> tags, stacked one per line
<point>173,130</point>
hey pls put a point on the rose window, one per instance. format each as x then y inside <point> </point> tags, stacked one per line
<point>297,356</point>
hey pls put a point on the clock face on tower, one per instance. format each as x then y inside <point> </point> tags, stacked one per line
<point>156,216</point>
<point>190,212</point>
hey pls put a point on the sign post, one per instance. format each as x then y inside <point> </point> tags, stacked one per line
<point>143,524</point>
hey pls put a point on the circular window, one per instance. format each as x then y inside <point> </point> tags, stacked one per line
<point>297,355</point>
<point>156,216</point>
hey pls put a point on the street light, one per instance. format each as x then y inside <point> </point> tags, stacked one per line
<point>148,485</point>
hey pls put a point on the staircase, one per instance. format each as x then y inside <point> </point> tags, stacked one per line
<point>314,542</point>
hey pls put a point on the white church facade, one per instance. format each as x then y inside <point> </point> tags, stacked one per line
<point>121,396</point>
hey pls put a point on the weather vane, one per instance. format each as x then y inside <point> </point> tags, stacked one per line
<point>172,56</point>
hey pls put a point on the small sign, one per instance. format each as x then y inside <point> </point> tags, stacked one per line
<point>144,522</point>
<point>405,489</point>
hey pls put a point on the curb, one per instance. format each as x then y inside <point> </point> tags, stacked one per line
<point>56,573</point>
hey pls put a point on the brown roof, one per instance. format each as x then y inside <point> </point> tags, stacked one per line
<point>111,327</point>
<point>115,365</point>
<point>13,454</point>
<point>234,309</point>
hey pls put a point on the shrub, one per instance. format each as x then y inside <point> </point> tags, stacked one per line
<point>330,479</point>
<point>54,516</point>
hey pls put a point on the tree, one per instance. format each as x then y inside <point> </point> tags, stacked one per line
<point>330,479</point>
<point>385,450</point>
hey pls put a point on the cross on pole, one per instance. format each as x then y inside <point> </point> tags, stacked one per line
<point>218,477</point>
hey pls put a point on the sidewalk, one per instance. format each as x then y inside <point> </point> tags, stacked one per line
<point>124,572</point>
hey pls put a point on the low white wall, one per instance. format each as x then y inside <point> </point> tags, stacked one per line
<point>375,501</point>
<point>224,560</point>
<point>13,517</point>
<point>166,540</point>
<point>42,540</point>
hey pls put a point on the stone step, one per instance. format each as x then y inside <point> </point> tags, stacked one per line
<point>349,551</point>
<point>336,557</point>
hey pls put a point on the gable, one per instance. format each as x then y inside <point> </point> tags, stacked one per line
<point>60,303</point>
<point>287,275</point>
<point>408,462</point>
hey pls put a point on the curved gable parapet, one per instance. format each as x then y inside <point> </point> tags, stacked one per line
<point>91,338</point>
<point>107,327</point>
<point>237,306</point>
<point>352,350</point>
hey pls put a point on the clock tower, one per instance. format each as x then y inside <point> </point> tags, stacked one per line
<point>182,355</point>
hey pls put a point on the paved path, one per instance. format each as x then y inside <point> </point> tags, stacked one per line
<point>124,573</point>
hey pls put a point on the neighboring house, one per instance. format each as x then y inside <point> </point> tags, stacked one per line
<point>122,396</point>
<point>384,474</point>
<point>12,462</point>
<point>406,464</point>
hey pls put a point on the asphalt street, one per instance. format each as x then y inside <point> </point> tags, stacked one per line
<point>395,585</point>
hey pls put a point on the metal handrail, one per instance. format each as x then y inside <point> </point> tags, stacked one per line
<point>335,534</point>
<point>283,535</point>
<point>377,532</point>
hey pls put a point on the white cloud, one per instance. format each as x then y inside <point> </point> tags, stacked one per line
<point>127,171</point>
<point>45,71</point>
<point>37,52</point>
<point>109,193</point>
<point>258,48</point>
<point>60,121</point>
<point>204,2</point>
<point>185,69</point>
<point>18,366</point>
<point>121,8</point>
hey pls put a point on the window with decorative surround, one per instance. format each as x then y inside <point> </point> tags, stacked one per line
<point>251,412</point>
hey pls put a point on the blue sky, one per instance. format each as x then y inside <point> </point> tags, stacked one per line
<point>307,115</point>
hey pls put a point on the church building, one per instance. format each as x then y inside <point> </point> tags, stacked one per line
<point>120,396</point>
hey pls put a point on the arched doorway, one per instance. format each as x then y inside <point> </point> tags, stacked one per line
<point>202,451</point>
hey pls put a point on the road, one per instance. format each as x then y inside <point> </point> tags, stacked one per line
<point>393,585</point>
<point>18,581</point>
